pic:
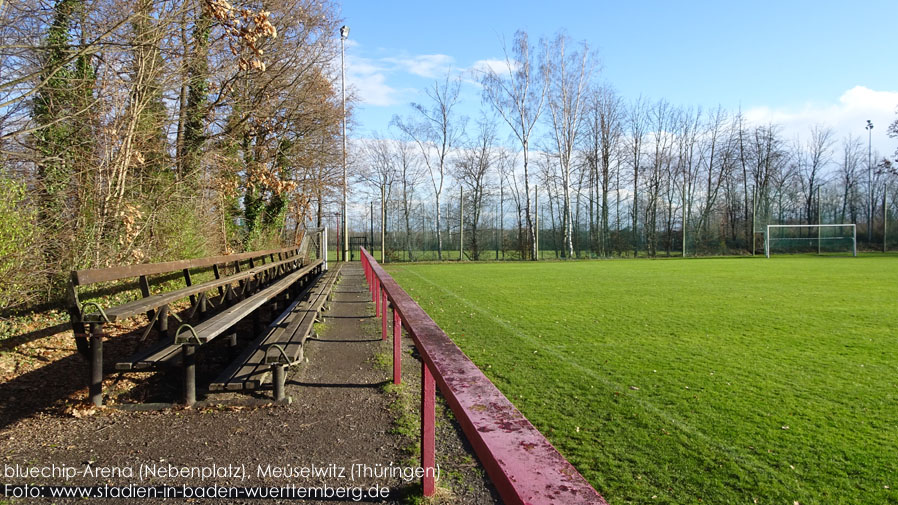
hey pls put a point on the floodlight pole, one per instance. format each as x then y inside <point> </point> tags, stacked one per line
<point>344,33</point>
<point>869,129</point>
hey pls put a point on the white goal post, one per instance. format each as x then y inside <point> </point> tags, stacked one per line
<point>818,238</point>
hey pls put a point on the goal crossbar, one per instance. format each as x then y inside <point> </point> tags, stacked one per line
<point>819,238</point>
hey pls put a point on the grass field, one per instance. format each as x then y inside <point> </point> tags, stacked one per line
<point>692,381</point>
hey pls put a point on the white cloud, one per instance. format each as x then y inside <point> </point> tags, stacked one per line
<point>500,67</point>
<point>372,89</point>
<point>848,116</point>
<point>423,65</point>
<point>370,78</point>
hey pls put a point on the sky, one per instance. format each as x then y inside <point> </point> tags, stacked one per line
<point>796,63</point>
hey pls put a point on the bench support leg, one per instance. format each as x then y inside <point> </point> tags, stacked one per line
<point>428,430</point>
<point>232,345</point>
<point>279,378</point>
<point>163,320</point>
<point>189,355</point>
<point>96,365</point>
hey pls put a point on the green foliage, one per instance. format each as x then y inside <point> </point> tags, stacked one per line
<point>16,241</point>
<point>182,230</point>
<point>62,139</point>
<point>679,381</point>
<point>197,97</point>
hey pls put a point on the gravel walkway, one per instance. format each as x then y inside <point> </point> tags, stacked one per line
<point>340,423</point>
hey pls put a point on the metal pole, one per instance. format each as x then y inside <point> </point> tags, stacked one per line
<point>344,33</point>
<point>279,378</point>
<point>461,224</point>
<point>383,314</point>
<point>189,357</point>
<point>536,219</point>
<point>96,364</point>
<point>383,224</point>
<point>869,129</point>
<point>428,429</point>
<point>371,221</point>
<point>885,217</point>
<point>501,222</point>
<point>323,246</point>
<point>397,347</point>
<point>819,222</point>
<point>754,207</point>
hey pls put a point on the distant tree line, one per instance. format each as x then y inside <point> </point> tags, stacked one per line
<point>148,130</point>
<point>599,176</point>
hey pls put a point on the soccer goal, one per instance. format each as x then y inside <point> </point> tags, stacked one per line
<point>810,238</point>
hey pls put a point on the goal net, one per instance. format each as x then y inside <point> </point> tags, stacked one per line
<point>810,238</point>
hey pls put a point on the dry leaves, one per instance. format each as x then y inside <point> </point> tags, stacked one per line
<point>245,28</point>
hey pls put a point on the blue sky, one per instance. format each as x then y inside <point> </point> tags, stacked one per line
<point>796,63</point>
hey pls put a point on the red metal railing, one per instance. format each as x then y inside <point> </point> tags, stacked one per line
<point>523,466</point>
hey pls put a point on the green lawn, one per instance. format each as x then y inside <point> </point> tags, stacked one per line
<point>692,381</point>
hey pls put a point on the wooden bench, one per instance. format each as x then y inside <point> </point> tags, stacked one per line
<point>246,280</point>
<point>188,338</point>
<point>282,346</point>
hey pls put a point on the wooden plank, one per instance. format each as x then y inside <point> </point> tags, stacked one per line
<point>139,360</point>
<point>249,371</point>
<point>92,276</point>
<point>151,302</point>
<point>215,325</point>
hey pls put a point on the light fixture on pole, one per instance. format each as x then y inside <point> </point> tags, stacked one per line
<point>869,129</point>
<point>344,34</point>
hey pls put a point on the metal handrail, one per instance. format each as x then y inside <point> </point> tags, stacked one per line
<point>524,467</point>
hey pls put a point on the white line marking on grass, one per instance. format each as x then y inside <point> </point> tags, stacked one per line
<point>735,455</point>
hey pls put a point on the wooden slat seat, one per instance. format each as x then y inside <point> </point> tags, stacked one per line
<point>217,324</point>
<point>250,370</point>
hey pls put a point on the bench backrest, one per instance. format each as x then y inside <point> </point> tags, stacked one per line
<point>93,276</point>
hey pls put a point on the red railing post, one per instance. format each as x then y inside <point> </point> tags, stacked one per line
<point>377,298</point>
<point>397,347</point>
<point>383,304</point>
<point>428,430</point>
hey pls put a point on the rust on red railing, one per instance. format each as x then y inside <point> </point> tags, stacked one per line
<point>523,466</point>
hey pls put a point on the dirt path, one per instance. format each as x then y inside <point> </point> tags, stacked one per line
<point>340,423</point>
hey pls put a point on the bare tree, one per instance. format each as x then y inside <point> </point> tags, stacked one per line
<point>518,95</point>
<point>604,128</point>
<point>473,170</point>
<point>409,176</point>
<point>437,131</point>
<point>812,160</point>
<point>852,158</point>
<point>569,73</point>
<point>636,130</point>
<point>661,117</point>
